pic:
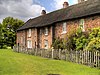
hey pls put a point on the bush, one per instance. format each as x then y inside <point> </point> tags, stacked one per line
<point>76,39</point>
<point>94,44</point>
<point>59,43</point>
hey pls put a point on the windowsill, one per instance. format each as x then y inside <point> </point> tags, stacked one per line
<point>29,36</point>
<point>29,47</point>
<point>64,32</point>
<point>46,34</point>
<point>83,30</point>
<point>46,48</point>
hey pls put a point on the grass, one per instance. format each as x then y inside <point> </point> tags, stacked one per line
<point>12,63</point>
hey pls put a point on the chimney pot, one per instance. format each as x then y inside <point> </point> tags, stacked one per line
<point>65,5</point>
<point>43,12</point>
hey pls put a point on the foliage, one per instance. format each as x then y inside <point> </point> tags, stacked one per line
<point>59,43</point>
<point>76,39</point>
<point>94,39</point>
<point>8,31</point>
<point>12,63</point>
<point>94,44</point>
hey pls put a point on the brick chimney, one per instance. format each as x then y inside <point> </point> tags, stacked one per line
<point>43,12</point>
<point>79,1</point>
<point>65,5</point>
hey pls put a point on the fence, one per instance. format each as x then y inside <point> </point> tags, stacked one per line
<point>89,58</point>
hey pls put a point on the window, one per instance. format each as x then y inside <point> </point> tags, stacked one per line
<point>64,27</point>
<point>46,44</point>
<point>21,38</point>
<point>46,31</point>
<point>29,44</point>
<point>81,25</point>
<point>29,33</point>
<point>40,31</point>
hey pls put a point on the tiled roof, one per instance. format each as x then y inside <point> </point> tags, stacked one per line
<point>71,12</point>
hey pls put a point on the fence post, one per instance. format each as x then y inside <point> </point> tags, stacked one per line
<point>65,54</point>
<point>52,52</point>
<point>35,51</point>
<point>59,53</point>
<point>76,57</point>
<point>96,58</point>
<point>82,57</point>
<point>90,58</point>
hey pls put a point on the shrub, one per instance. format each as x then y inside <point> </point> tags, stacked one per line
<point>94,44</point>
<point>59,43</point>
<point>76,39</point>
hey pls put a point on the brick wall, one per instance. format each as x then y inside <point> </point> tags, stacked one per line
<point>44,37</point>
<point>38,40</point>
<point>89,22</point>
<point>21,38</point>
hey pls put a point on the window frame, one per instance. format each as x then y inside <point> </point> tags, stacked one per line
<point>29,32</point>
<point>29,43</point>
<point>46,30</point>
<point>46,44</point>
<point>64,27</point>
<point>81,24</point>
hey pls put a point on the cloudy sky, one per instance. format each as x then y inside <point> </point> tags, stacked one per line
<point>25,9</point>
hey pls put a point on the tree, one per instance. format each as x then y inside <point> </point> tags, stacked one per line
<point>9,27</point>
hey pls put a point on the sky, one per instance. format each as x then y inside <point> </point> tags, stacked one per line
<point>26,9</point>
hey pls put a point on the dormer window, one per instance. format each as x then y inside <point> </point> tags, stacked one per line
<point>81,25</point>
<point>64,27</point>
<point>29,33</point>
<point>46,31</point>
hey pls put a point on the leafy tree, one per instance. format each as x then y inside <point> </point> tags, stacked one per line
<point>9,27</point>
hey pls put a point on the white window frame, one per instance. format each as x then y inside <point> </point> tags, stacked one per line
<point>29,43</point>
<point>46,31</point>
<point>29,32</point>
<point>46,44</point>
<point>64,27</point>
<point>81,24</point>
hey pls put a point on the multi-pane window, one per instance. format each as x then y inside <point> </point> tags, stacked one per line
<point>29,43</point>
<point>46,44</point>
<point>64,27</point>
<point>82,24</point>
<point>46,31</point>
<point>29,33</point>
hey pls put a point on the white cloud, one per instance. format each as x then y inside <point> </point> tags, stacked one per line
<point>22,9</point>
<point>59,3</point>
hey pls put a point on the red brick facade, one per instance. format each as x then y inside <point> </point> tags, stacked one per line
<point>38,34</point>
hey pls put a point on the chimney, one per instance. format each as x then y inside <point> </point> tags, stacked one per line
<point>79,1</point>
<point>43,12</point>
<point>65,5</point>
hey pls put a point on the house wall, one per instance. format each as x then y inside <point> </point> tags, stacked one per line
<point>21,38</point>
<point>44,37</point>
<point>89,22</point>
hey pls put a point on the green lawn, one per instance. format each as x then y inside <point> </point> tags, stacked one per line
<point>12,63</point>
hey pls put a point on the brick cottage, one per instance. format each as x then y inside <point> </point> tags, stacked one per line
<point>40,32</point>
